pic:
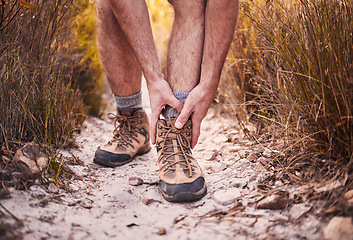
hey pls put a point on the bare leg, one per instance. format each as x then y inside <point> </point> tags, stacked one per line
<point>132,18</point>
<point>220,21</point>
<point>186,44</point>
<point>119,62</point>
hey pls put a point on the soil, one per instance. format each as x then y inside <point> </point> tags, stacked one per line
<point>101,203</point>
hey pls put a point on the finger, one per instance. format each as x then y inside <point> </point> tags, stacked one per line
<point>196,125</point>
<point>184,115</point>
<point>153,124</point>
<point>175,103</point>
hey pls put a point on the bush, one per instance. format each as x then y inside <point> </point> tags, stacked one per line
<point>37,99</point>
<point>304,76</point>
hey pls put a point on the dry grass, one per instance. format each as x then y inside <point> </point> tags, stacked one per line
<point>37,99</point>
<point>301,75</point>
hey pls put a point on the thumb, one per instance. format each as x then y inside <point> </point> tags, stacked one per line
<point>183,116</point>
<point>175,103</point>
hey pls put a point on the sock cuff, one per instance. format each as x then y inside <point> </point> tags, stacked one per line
<point>181,96</point>
<point>129,102</point>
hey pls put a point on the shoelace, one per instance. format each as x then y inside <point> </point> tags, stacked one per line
<point>182,142</point>
<point>123,126</point>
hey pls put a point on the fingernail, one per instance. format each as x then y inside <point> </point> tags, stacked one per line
<point>178,125</point>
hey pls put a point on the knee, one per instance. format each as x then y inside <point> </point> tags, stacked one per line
<point>192,8</point>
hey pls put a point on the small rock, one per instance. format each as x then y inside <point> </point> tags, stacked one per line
<point>227,196</point>
<point>349,196</point>
<point>242,154</point>
<point>218,167</point>
<point>74,188</point>
<point>210,155</point>
<point>247,221</point>
<point>251,157</point>
<point>38,189</point>
<point>148,201</point>
<point>299,210</point>
<point>31,156</point>
<point>328,187</point>
<point>338,228</point>
<point>264,160</point>
<point>52,188</point>
<point>135,181</point>
<point>220,139</point>
<point>273,202</point>
<point>267,153</point>
<point>161,231</point>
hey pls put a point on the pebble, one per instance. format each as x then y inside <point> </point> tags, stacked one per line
<point>210,155</point>
<point>264,160</point>
<point>52,188</point>
<point>247,221</point>
<point>135,181</point>
<point>242,154</point>
<point>251,157</point>
<point>299,210</point>
<point>31,156</point>
<point>227,196</point>
<point>73,187</point>
<point>328,187</point>
<point>38,189</point>
<point>349,196</point>
<point>338,228</point>
<point>267,153</point>
<point>218,167</point>
<point>274,202</point>
<point>161,231</point>
<point>220,138</point>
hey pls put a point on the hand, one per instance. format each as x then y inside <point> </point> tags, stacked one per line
<point>160,95</point>
<point>196,105</point>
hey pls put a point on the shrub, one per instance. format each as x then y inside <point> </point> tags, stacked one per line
<point>37,99</point>
<point>303,50</point>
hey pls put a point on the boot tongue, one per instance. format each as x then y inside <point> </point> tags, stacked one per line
<point>125,113</point>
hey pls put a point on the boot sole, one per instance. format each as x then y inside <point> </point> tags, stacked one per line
<point>107,162</point>
<point>185,196</point>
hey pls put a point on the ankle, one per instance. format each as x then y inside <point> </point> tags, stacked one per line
<point>129,103</point>
<point>168,112</point>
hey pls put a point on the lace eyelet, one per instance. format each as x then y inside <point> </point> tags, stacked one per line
<point>188,133</point>
<point>189,127</point>
<point>159,127</point>
<point>159,134</point>
<point>139,122</point>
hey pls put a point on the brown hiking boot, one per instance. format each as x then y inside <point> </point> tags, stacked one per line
<point>181,178</point>
<point>131,137</point>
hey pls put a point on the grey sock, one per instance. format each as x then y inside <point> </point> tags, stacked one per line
<point>130,102</point>
<point>181,96</point>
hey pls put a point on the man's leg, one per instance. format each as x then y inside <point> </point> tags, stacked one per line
<point>124,76</point>
<point>220,21</point>
<point>118,59</point>
<point>181,178</point>
<point>195,64</point>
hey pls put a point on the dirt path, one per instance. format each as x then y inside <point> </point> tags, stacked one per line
<point>103,205</point>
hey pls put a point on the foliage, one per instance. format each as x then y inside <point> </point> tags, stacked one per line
<point>302,73</point>
<point>88,73</point>
<point>37,99</point>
